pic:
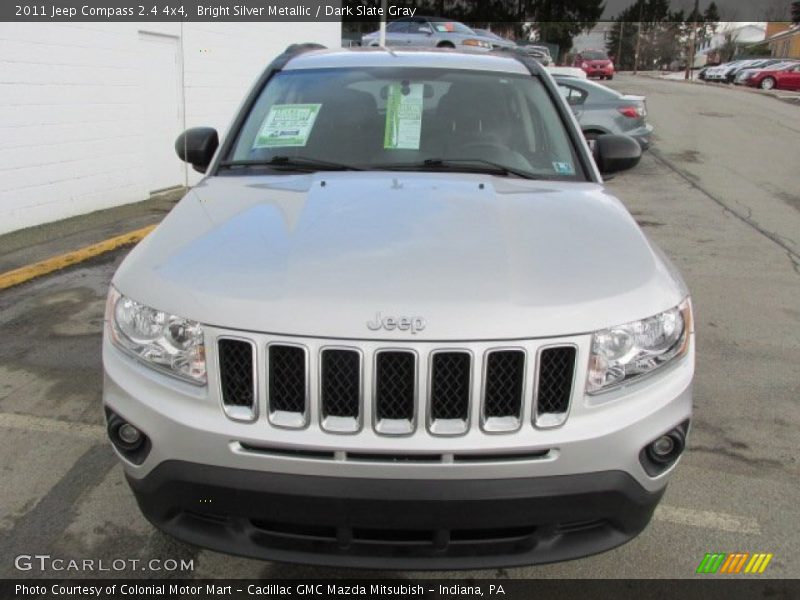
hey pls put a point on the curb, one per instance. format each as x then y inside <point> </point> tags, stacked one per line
<point>56,263</point>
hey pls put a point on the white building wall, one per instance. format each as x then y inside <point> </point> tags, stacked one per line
<point>89,111</point>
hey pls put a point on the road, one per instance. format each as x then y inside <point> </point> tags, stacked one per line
<point>718,193</point>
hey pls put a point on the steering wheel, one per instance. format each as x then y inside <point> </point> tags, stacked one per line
<point>493,149</point>
<point>488,144</point>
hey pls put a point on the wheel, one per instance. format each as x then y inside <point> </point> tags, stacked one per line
<point>767,83</point>
<point>610,77</point>
<point>445,45</point>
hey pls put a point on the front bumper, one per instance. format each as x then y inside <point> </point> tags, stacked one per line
<point>403,524</point>
<point>598,72</point>
<point>534,495</point>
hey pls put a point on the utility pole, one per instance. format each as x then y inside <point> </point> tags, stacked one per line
<point>638,39</point>
<point>618,60</point>
<point>382,34</point>
<point>692,43</point>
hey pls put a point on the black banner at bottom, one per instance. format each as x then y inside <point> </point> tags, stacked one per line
<point>511,589</point>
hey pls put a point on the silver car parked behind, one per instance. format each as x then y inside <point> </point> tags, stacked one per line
<point>430,32</point>
<point>601,110</point>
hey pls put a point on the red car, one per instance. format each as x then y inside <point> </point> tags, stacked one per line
<point>785,78</point>
<point>595,63</point>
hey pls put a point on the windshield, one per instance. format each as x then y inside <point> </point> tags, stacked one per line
<point>407,118</point>
<point>594,55</point>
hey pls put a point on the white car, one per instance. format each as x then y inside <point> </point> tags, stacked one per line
<point>400,323</point>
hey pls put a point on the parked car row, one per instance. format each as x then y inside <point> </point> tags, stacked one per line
<point>438,32</point>
<point>764,73</point>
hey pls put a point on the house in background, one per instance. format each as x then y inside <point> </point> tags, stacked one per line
<point>89,112</point>
<point>729,37</point>
<point>594,39</point>
<point>784,42</point>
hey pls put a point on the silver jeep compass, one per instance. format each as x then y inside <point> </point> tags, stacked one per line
<point>400,323</point>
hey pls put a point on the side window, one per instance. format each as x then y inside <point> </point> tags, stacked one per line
<point>397,27</point>
<point>573,95</point>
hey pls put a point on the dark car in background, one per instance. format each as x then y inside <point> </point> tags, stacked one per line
<point>595,63</point>
<point>601,110</point>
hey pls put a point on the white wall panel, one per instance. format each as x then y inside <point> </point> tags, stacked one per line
<point>86,107</point>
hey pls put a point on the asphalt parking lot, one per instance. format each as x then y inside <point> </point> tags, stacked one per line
<point>718,193</point>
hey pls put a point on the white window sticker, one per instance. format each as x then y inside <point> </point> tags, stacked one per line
<point>287,125</point>
<point>403,117</point>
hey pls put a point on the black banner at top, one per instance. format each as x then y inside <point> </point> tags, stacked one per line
<point>497,11</point>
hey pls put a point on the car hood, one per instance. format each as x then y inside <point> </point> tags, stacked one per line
<point>477,257</point>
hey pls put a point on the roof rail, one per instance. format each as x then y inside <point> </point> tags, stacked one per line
<point>304,47</point>
<point>533,65</point>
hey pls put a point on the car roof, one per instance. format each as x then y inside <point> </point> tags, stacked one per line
<point>381,57</point>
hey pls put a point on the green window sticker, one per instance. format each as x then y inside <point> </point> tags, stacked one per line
<point>403,117</point>
<point>564,168</point>
<point>287,125</point>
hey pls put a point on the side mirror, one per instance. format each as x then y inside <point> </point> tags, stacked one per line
<point>196,146</point>
<point>615,153</point>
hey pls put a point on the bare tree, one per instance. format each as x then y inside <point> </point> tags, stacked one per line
<point>730,34</point>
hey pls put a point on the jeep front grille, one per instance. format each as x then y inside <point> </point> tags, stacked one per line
<point>395,391</point>
<point>554,385</point>
<point>288,385</point>
<point>340,389</point>
<point>237,377</point>
<point>449,391</point>
<point>503,389</point>
<point>398,389</point>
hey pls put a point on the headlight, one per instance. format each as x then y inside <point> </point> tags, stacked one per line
<point>478,43</point>
<point>166,342</point>
<point>629,351</point>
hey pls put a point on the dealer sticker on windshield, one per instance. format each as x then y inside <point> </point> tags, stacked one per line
<point>403,116</point>
<point>287,125</point>
<point>563,168</point>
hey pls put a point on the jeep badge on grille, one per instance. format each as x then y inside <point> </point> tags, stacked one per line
<point>412,324</point>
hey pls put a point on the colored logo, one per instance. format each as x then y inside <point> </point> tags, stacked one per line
<point>734,563</point>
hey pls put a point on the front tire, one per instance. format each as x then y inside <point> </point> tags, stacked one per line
<point>768,83</point>
<point>445,45</point>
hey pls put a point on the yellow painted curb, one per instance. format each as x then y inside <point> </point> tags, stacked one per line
<point>48,265</point>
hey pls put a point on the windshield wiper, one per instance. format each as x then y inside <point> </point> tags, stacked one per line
<point>300,163</point>
<point>470,165</point>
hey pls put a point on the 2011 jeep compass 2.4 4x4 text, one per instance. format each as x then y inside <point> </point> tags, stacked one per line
<point>400,323</point>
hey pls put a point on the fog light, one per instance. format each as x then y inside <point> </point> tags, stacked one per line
<point>129,434</point>
<point>663,451</point>
<point>663,446</point>
<point>128,439</point>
